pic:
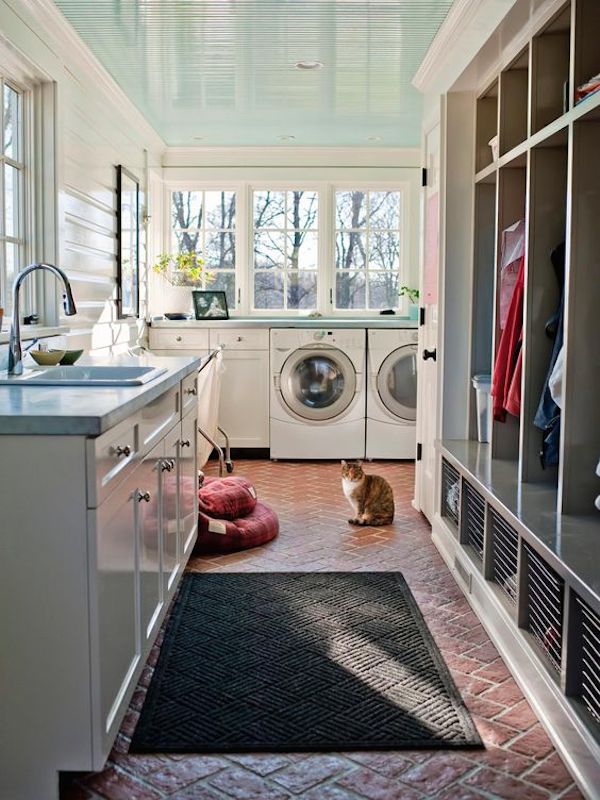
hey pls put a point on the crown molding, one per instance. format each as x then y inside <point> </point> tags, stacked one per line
<point>48,23</point>
<point>465,30</point>
<point>292,156</point>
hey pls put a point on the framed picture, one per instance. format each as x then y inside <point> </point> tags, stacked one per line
<point>210,305</point>
<point>128,244</point>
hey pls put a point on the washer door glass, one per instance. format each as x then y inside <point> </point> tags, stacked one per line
<point>318,384</point>
<point>397,383</point>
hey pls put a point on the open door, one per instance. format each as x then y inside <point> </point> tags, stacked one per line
<point>427,388</point>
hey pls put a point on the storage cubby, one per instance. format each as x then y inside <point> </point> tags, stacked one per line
<point>587,51</point>
<point>550,59</point>
<point>514,103</point>
<point>472,520</point>
<point>543,611</point>
<point>450,500</point>
<point>544,287</point>
<point>588,659</point>
<point>487,127</point>
<point>505,555</point>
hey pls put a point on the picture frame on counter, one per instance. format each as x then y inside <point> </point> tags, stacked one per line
<point>128,244</point>
<point>210,304</point>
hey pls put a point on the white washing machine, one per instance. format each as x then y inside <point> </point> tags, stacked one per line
<point>392,393</point>
<point>317,393</point>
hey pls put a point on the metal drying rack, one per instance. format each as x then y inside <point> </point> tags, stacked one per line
<point>224,456</point>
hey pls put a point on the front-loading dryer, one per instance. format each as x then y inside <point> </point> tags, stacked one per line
<point>317,406</point>
<point>391,393</point>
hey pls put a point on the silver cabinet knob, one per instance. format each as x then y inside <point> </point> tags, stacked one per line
<point>166,466</point>
<point>193,390</point>
<point>145,496</point>
<point>123,451</point>
<point>185,443</point>
<point>240,339</point>
<point>178,339</point>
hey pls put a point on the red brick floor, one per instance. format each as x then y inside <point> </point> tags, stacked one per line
<point>519,760</point>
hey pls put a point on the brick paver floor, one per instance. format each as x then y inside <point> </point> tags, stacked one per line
<point>519,760</point>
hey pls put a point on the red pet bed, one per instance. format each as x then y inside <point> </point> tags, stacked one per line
<point>226,498</point>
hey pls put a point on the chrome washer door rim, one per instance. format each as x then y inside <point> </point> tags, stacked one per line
<point>288,383</point>
<point>393,405</point>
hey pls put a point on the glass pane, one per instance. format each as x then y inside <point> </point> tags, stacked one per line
<point>224,282</point>
<point>219,208</point>
<point>402,380</point>
<point>384,250</point>
<point>268,290</point>
<point>188,241</point>
<point>219,250</point>
<point>186,209</point>
<point>302,208</point>
<point>269,209</point>
<point>350,290</point>
<point>318,382</point>
<point>12,267</point>
<point>302,251</point>
<point>12,111</point>
<point>269,250</point>
<point>350,251</point>
<point>11,201</point>
<point>384,210</point>
<point>351,209</point>
<point>383,290</point>
<point>302,290</point>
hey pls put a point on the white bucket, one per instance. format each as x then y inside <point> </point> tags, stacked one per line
<point>483,385</point>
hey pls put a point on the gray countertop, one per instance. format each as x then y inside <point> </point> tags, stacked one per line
<point>82,411</point>
<point>289,322</point>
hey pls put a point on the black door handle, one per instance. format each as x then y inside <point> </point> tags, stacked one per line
<point>429,354</point>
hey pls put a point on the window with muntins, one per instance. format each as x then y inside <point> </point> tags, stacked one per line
<point>12,189</point>
<point>285,245</point>
<point>367,249</point>
<point>204,222</point>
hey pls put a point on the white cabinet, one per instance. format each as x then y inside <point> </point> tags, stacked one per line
<point>244,404</point>
<point>188,486</point>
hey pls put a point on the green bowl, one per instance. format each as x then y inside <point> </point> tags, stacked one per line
<point>71,356</point>
<point>47,358</point>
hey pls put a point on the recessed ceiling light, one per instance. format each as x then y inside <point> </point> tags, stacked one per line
<point>373,138</point>
<point>308,64</point>
<point>286,137</point>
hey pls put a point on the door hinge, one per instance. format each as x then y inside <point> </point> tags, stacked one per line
<point>422,315</point>
<point>424,176</point>
<point>419,451</point>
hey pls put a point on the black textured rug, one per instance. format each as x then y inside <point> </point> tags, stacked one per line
<point>299,661</point>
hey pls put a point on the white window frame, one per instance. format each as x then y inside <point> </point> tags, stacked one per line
<point>326,272</point>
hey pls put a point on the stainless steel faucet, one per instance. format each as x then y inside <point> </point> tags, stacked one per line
<point>15,351</point>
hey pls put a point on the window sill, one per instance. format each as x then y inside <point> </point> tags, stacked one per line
<point>29,332</point>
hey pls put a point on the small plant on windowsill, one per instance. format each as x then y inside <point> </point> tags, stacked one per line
<point>182,269</point>
<point>413,300</point>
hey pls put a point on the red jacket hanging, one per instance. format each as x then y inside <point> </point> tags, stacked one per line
<point>506,383</point>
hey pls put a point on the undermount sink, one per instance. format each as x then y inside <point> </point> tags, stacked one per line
<point>85,376</point>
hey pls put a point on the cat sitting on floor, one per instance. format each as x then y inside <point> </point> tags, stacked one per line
<point>370,496</point>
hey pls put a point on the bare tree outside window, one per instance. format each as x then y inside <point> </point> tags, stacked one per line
<point>367,249</point>
<point>204,222</point>
<point>285,249</point>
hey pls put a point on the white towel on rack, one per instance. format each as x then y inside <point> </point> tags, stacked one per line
<point>209,393</point>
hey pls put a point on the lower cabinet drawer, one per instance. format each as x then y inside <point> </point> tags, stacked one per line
<point>239,338</point>
<point>156,418</point>
<point>110,459</point>
<point>178,339</point>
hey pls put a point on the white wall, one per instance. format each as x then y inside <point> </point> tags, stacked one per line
<point>97,127</point>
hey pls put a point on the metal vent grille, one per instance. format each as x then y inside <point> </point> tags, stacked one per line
<point>545,591</point>
<point>505,549</point>
<point>450,492</point>
<point>474,521</point>
<point>590,659</point>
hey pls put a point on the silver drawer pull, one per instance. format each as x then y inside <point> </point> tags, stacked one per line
<point>240,339</point>
<point>166,466</point>
<point>145,496</point>
<point>194,390</point>
<point>185,443</point>
<point>178,339</point>
<point>122,451</point>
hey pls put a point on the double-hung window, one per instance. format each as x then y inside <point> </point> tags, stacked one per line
<point>285,243</point>
<point>204,222</point>
<point>12,189</point>
<point>368,231</point>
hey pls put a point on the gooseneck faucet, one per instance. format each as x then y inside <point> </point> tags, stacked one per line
<point>15,350</point>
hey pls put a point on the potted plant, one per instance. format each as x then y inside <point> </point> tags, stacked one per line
<point>413,300</point>
<point>178,272</point>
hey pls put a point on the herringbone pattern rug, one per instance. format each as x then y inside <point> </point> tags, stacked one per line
<point>294,661</point>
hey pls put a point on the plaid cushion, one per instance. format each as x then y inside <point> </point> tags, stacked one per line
<point>222,535</point>
<point>226,498</point>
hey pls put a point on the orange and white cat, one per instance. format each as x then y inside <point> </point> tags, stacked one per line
<point>370,496</point>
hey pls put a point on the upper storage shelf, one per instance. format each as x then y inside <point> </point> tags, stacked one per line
<point>514,103</point>
<point>550,87</point>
